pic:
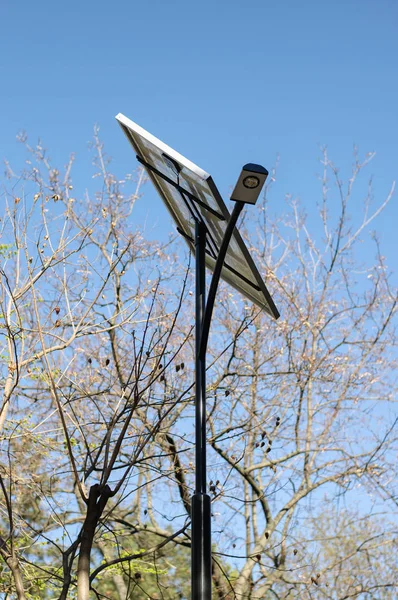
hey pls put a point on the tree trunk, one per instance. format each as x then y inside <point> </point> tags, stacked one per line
<point>13,564</point>
<point>96,503</point>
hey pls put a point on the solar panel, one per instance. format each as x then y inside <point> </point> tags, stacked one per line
<point>190,194</point>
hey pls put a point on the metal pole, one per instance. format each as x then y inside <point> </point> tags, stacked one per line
<point>200,505</point>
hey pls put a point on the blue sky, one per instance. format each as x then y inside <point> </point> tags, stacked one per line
<point>225,82</point>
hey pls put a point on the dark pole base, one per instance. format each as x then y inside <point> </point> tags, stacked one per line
<point>201,547</point>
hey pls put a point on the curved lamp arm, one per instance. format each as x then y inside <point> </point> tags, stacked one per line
<point>216,278</point>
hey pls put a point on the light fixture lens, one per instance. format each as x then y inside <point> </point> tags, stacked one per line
<point>251,182</point>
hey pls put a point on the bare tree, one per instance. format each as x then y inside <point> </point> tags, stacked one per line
<point>309,407</point>
<point>97,427</point>
<point>90,313</point>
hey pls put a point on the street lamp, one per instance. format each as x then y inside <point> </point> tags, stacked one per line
<point>204,221</point>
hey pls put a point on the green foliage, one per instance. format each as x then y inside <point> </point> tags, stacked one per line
<point>7,250</point>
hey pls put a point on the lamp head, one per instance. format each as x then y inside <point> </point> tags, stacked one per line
<point>249,184</point>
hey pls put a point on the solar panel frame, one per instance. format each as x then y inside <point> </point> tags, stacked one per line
<point>198,196</point>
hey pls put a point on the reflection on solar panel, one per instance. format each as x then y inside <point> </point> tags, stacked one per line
<point>190,194</point>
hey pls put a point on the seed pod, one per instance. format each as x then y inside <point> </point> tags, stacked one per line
<point>177,368</point>
<point>57,323</point>
<point>137,575</point>
<point>295,551</point>
<point>107,361</point>
<point>262,444</point>
<point>227,392</point>
<point>89,360</point>
<point>57,310</point>
<point>182,365</point>
<point>258,556</point>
